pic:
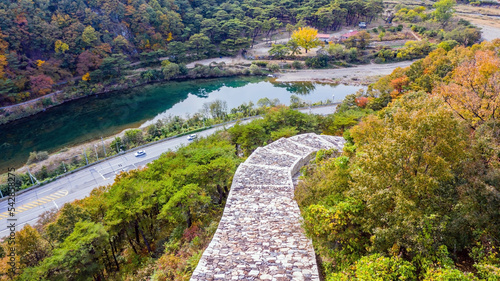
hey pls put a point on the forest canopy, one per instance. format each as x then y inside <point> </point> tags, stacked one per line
<point>45,44</point>
<point>415,195</point>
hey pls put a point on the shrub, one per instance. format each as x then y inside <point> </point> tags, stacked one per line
<point>255,70</point>
<point>37,156</point>
<point>260,63</point>
<point>317,62</point>
<point>297,65</point>
<point>274,67</point>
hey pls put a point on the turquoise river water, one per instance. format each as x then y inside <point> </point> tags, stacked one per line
<point>104,115</point>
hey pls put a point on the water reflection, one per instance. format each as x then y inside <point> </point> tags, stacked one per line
<point>300,88</point>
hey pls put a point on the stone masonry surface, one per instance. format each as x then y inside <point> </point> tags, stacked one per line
<point>260,236</point>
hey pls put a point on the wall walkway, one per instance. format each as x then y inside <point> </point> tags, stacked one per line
<point>260,235</point>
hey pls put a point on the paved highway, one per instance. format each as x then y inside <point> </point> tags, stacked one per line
<point>31,204</point>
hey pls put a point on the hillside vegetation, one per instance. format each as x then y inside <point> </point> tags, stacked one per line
<point>415,195</point>
<point>45,45</point>
<point>150,224</point>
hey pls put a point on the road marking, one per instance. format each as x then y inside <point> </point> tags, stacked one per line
<point>41,201</point>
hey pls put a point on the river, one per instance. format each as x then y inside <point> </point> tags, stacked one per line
<point>104,115</point>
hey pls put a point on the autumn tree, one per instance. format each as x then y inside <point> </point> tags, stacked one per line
<point>31,247</point>
<point>474,92</point>
<point>41,84</point>
<point>60,46</point>
<point>306,38</point>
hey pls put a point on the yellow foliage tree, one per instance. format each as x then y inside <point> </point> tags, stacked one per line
<point>86,77</point>
<point>61,46</point>
<point>3,64</point>
<point>39,62</point>
<point>306,37</point>
<point>169,37</point>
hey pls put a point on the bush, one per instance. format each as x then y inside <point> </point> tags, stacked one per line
<point>274,67</point>
<point>317,61</point>
<point>297,65</point>
<point>352,54</point>
<point>260,63</point>
<point>448,44</point>
<point>336,50</point>
<point>255,70</point>
<point>37,156</point>
<point>463,35</point>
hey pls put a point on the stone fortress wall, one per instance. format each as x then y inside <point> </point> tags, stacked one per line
<point>260,235</point>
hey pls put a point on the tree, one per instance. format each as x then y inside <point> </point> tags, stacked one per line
<point>200,44</point>
<point>473,92</point>
<point>31,247</point>
<point>77,257</point>
<point>169,69</point>
<point>294,47</point>
<point>444,11</point>
<point>113,66</point>
<point>41,84</point>
<point>176,51</point>
<point>185,206</point>
<point>60,46</point>
<point>306,38</point>
<point>217,109</point>
<point>134,136</point>
<point>406,161</point>
<point>121,43</point>
<point>88,61</point>
<point>90,36</point>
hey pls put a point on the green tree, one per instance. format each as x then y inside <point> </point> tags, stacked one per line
<point>279,51</point>
<point>90,36</point>
<point>111,67</point>
<point>411,172</point>
<point>170,69</point>
<point>200,44</point>
<point>185,206</point>
<point>444,10</point>
<point>294,47</point>
<point>77,258</point>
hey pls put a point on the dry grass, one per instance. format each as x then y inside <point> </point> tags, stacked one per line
<point>484,10</point>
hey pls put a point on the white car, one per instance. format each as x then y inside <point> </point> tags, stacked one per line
<point>140,153</point>
<point>192,137</point>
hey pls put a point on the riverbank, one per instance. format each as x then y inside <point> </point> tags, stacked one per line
<point>358,75</point>
<point>28,108</point>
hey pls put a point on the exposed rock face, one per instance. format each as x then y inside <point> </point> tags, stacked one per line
<point>260,235</point>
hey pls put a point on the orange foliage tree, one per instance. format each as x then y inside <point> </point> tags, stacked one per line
<point>473,91</point>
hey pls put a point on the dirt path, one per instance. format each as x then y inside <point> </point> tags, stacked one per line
<point>487,18</point>
<point>226,60</point>
<point>360,75</point>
